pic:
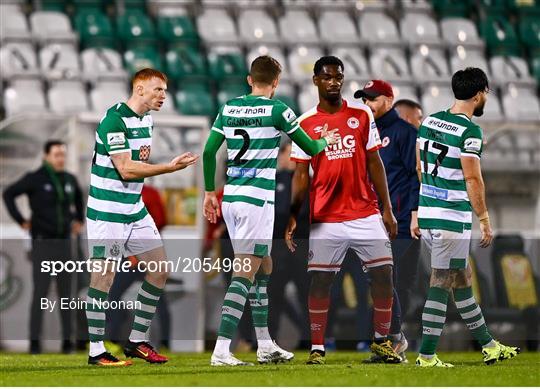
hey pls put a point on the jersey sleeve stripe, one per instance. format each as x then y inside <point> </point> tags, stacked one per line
<point>301,160</point>
<point>112,152</point>
<point>464,154</point>
<point>218,130</point>
<point>375,148</point>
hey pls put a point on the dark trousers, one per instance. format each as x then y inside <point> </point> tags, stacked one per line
<point>49,250</point>
<point>116,318</point>
<point>406,253</point>
<point>289,267</point>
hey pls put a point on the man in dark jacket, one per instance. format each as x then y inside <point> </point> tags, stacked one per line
<point>398,154</point>
<point>57,211</point>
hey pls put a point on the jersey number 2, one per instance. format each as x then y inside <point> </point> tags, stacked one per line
<point>238,159</point>
<point>443,151</point>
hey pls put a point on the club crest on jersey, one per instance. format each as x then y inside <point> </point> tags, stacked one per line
<point>353,122</point>
<point>385,141</point>
<point>144,153</point>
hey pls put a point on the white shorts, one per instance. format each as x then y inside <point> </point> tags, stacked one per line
<point>447,249</point>
<point>329,242</point>
<point>250,227</point>
<point>117,240</point>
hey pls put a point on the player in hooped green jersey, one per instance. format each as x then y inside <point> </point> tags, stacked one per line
<point>118,224</point>
<point>251,125</point>
<point>448,162</point>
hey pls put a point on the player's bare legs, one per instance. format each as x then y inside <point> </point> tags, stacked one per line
<point>148,297</point>
<point>318,303</point>
<point>232,310</point>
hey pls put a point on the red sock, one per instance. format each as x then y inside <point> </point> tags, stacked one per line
<point>318,315</point>
<point>382,315</point>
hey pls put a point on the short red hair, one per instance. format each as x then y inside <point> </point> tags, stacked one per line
<point>147,74</point>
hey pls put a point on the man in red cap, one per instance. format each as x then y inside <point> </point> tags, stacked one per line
<point>398,139</point>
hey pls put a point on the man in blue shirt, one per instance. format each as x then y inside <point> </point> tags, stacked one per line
<point>399,157</point>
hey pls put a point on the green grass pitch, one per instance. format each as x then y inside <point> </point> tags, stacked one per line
<point>342,369</point>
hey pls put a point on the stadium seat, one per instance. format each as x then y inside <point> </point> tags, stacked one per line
<point>18,60</point>
<point>404,91</point>
<point>461,58</point>
<point>53,5</point>
<point>13,24</point>
<point>105,94</point>
<point>94,28</point>
<point>378,29</point>
<point>307,98</point>
<point>67,97</point>
<point>429,65</point>
<point>185,62</point>
<point>102,64</point>
<point>535,68</point>
<point>419,28</point>
<point>24,96</point>
<point>301,61</point>
<point>351,86</point>
<point>227,65</point>
<point>297,27</point>
<point>59,61</point>
<point>529,32</point>
<point>530,8</point>
<point>338,28</point>
<point>356,67</point>
<point>499,35</point>
<point>231,90</point>
<point>273,51</point>
<point>451,8</point>
<point>89,5</point>
<point>190,101</point>
<point>521,104</point>
<point>142,57</point>
<point>492,7</point>
<point>416,6</point>
<point>510,69</point>
<point>50,26</point>
<point>436,98</point>
<point>135,29</point>
<point>460,31</point>
<point>257,26</point>
<point>216,26</point>
<point>177,30</point>
<point>389,64</point>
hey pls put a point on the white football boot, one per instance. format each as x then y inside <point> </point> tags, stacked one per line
<point>227,360</point>
<point>273,353</point>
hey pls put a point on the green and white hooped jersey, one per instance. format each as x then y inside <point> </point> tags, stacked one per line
<point>443,139</point>
<point>111,198</point>
<point>252,128</point>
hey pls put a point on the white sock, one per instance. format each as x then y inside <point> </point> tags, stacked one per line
<point>96,348</point>
<point>490,344</point>
<point>223,346</point>
<point>319,347</point>
<point>263,337</point>
<point>425,356</point>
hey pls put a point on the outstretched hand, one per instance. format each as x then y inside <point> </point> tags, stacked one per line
<point>184,160</point>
